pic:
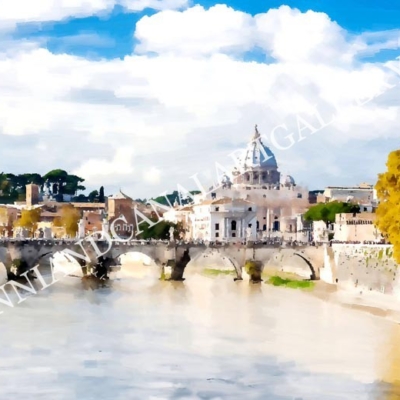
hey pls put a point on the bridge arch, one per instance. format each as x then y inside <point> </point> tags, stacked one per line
<point>213,261</point>
<point>138,264</point>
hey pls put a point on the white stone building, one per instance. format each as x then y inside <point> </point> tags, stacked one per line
<point>277,199</point>
<point>254,195</point>
<point>356,228</point>
<point>364,193</point>
<point>224,219</point>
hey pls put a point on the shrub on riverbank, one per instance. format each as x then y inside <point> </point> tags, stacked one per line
<point>294,284</point>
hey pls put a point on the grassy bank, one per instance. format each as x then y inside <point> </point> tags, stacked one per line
<point>217,272</point>
<point>290,283</point>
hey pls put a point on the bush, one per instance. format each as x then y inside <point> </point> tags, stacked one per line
<point>293,284</point>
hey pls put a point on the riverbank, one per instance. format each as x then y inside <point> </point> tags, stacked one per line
<point>372,302</point>
<point>378,304</point>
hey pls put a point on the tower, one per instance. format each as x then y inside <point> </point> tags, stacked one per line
<point>32,194</point>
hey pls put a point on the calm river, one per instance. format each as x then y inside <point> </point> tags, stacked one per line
<point>205,338</point>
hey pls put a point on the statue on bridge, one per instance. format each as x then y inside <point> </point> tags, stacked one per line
<point>171,234</point>
<point>248,233</point>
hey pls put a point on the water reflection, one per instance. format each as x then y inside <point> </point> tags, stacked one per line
<point>204,338</point>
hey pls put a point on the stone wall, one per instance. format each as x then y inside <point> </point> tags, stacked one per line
<point>362,267</point>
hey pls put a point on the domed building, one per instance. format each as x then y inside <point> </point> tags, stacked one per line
<point>270,203</point>
<point>258,166</point>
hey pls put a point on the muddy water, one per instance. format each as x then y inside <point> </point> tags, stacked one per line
<point>204,338</point>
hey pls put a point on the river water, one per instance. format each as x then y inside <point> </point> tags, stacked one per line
<point>204,338</point>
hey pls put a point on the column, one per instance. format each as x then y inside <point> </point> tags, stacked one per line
<point>239,228</point>
<point>268,212</point>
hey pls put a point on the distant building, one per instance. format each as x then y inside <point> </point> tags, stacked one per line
<point>93,221</point>
<point>313,196</point>
<point>361,194</point>
<point>356,228</point>
<point>121,205</point>
<point>181,214</point>
<point>224,219</point>
<point>32,195</point>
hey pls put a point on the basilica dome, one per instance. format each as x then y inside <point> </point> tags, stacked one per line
<point>258,154</point>
<point>258,165</point>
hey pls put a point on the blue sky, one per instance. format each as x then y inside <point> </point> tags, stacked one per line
<point>143,99</point>
<point>115,31</point>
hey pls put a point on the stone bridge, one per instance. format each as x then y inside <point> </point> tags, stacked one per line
<point>304,261</point>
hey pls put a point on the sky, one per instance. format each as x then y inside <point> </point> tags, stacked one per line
<point>151,95</point>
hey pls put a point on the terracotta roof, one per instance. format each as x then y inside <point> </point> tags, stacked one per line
<point>224,200</point>
<point>120,196</point>
<point>87,205</point>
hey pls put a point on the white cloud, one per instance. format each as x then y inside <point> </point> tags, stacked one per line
<point>21,11</point>
<point>195,31</point>
<point>139,5</point>
<point>152,176</point>
<point>194,103</point>
<point>99,171</point>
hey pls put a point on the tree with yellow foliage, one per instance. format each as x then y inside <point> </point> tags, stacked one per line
<point>69,219</point>
<point>29,219</point>
<point>388,211</point>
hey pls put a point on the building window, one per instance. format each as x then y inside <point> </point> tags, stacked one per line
<point>250,208</point>
<point>216,208</point>
<point>299,195</point>
<point>247,177</point>
<point>290,228</point>
<point>233,225</point>
<point>264,227</point>
<point>258,225</point>
<point>217,234</point>
<point>233,234</point>
<point>217,227</point>
<point>213,196</point>
<point>249,225</point>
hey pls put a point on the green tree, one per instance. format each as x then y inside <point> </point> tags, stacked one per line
<point>388,211</point>
<point>94,195</point>
<point>160,230</point>
<point>101,195</point>
<point>73,185</point>
<point>34,178</point>
<point>327,212</point>
<point>170,199</point>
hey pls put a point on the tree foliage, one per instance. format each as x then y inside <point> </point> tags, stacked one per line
<point>175,196</point>
<point>101,195</point>
<point>388,211</point>
<point>327,211</point>
<point>160,230</point>
<point>69,219</point>
<point>12,186</point>
<point>68,184</point>
<point>29,219</point>
<point>94,195</point>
